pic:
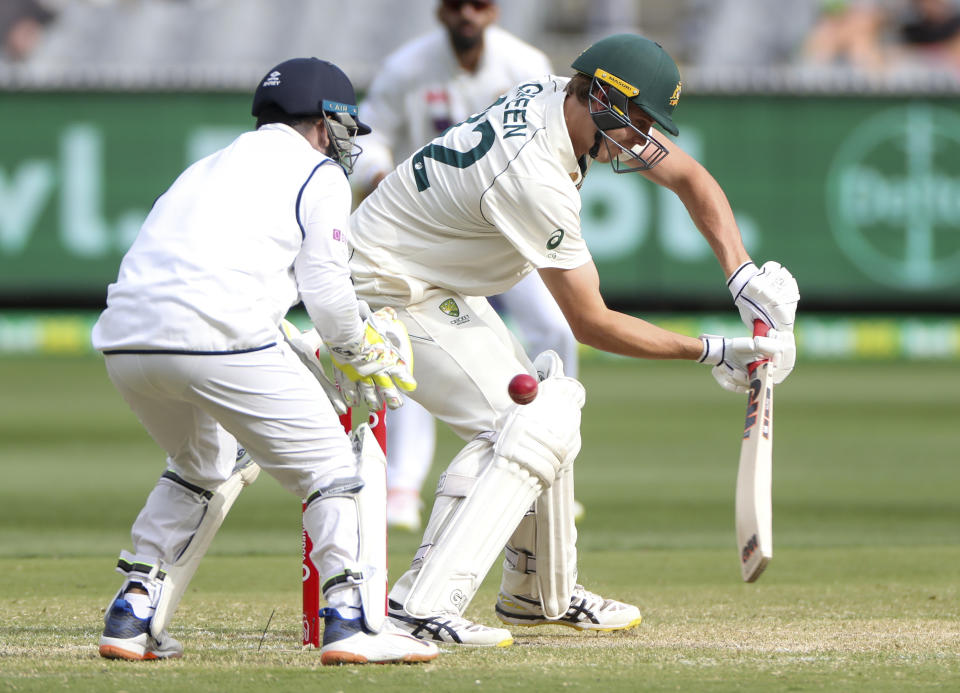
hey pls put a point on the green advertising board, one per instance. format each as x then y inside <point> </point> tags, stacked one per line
<point>79,172</point>
<point>859,197</point>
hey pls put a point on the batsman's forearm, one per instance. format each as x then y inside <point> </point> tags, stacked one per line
<point>618,333</point>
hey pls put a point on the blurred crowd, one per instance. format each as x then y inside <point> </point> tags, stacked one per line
<point>878,35</point>
<point>22,23</point>
<point>869,37</point>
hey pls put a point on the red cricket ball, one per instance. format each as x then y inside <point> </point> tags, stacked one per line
<point>523,388</point>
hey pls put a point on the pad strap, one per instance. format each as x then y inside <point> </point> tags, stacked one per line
<point>521,561</point>
<point>152,571</point>
<point>340,487</point>
<point>177,479</point>
<point>346,577</point>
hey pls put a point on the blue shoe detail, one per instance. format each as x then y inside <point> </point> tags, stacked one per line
<point>336,628</point>
<point>122,623</point>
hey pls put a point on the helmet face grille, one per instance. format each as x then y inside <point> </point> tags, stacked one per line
<point>609,109</point>
<point>342,131</point>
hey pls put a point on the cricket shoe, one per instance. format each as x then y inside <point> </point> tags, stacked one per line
<point>127,636</point>
<point>403,509</point>
<point>588,611</point>
<point>348,641</point>
<point>448,628</point>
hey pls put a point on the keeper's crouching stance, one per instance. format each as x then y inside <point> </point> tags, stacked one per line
<point>192,339</point>
<point>299,441</point>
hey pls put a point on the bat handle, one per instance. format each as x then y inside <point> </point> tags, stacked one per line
<point>760,329</point>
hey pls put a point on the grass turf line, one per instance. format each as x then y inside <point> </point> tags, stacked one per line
<point>861,594</point>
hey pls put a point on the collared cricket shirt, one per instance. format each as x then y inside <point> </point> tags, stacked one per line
<point>478,208</point>
<point>239,237</point>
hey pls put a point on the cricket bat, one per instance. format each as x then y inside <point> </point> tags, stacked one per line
<point>754,510</point>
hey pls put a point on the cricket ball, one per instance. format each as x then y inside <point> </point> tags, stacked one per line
<point>523,388</point>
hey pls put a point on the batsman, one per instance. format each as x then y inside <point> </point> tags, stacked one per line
<point>469,215</point>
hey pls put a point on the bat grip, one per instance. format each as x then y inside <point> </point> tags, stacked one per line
<point>760,329</point>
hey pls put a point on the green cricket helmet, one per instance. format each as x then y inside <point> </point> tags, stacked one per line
<point>630,68</point>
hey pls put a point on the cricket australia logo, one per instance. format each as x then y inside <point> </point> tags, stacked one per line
<point>892,194</point>
<point>555,238</point>
<point>451,308</point>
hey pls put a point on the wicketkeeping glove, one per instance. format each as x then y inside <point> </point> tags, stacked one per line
<point>305,345</point>
<point>769,294</point>
<point>730,358</point>
<point>372,369</point>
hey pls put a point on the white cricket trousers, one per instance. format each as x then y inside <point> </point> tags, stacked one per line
<point>464,360</point>
<point>199,407</point>
<point>530,310</point>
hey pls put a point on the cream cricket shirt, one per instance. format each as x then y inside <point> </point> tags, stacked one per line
<point>235,241</point>
<point>479,207</point>
<point>422,90</point>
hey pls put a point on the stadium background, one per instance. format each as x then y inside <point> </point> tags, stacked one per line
<point>851,178</point>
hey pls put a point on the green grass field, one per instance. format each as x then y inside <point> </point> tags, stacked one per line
<point>863,592</point>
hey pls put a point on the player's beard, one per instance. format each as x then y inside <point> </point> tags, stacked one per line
<point>465,42</point>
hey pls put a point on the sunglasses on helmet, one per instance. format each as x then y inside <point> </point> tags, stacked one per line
<point>456,5</point>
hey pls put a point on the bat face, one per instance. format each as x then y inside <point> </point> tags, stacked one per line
<point>754,513</point>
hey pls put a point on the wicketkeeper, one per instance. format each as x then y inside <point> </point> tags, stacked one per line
<point>470,214</point>
<point>191,338</point>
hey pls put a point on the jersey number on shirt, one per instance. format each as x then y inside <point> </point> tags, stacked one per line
<point>452,157</point>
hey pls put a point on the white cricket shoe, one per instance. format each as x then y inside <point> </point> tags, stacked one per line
<point>588,611</point>
<point>448,628</point>
<point>347,641</point>
<point>403,509</point>
<point>127,636</point>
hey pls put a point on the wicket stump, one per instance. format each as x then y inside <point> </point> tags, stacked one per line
<point>311,579</point>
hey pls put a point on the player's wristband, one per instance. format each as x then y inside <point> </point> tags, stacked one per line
<point>740,277</point>
<point>714,349</point>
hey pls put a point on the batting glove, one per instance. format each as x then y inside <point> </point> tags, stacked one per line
<point>371,370</point>
<point>769,294</point>
<point>306,345</point>
<point>731,356</point>
<point>788,358</point>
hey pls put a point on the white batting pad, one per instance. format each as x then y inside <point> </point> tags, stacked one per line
<point>540,559</point>
<point>179,574</point>
<point>556,545</point>
<point>544,435</point>
<point>541,556</point>
<point>467,533</point>
<point>479,503</point>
